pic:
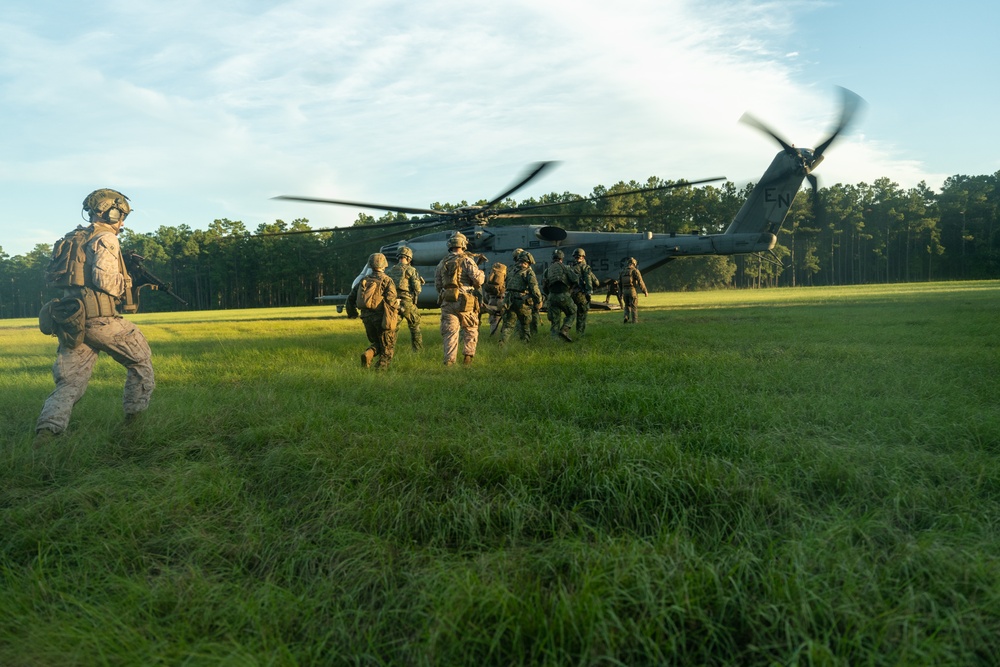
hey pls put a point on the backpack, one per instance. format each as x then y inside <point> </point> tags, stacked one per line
<point>65,269</point>
<point>498,275</point>
<point>370,293</point>
<point>453,272</point>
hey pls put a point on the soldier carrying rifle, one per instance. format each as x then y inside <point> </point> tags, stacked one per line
<point>88,265</point>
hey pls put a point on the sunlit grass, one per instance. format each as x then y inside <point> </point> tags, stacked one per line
<point>802,476</point>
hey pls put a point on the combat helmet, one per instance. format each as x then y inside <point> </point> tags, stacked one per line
<point>404,251</point>
<point>579,252</point>
<point>630,261</point>
<point>558,254</point>
<point>457,240</point>
<point>524,256</point>
<point>377,261</point>
<point>107,204</point>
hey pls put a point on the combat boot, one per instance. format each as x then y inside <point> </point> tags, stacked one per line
<point>43,437</point>
<point>467,360</point>
<point>564,334</point>
<point>366,358</point>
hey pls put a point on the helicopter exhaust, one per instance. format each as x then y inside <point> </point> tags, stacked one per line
<point>551,234</point>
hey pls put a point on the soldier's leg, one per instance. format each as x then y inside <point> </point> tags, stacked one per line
<point>372,331</point>
<point>416,337</point>
<point>581,318</point>
<point>570,320</point>
<point>510,321</point>
<point>412,315</point>
<point>449,336</point>
<point>71,372</point>
<point>386,347</point>
<point>125,343</point>
<point>470,333</point>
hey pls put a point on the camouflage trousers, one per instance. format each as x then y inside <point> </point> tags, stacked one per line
<point>409,312</point>
<point>383,341</point>
<point>561,310</point>
<point>458,327</point>
<point>631,306</point>
<point>517,316</point>
<point>120,339</point>
<point>582,306</point>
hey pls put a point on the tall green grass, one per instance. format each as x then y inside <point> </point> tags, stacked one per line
<point>801,476</point>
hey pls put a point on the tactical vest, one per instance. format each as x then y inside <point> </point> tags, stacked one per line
<point>560,278</point>
<point>67,269</point>
<point>407,280</point>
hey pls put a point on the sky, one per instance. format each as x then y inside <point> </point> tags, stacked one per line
<point>200,111</point>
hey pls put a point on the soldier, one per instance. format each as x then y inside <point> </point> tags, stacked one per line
<point>94,281</point>
<point>556,285</point>
<point>408,286</point>
<point>493,292</point>
<point>456,278</point>
<point>583,291</point>
<point>375,295</point>
<point>631,283</point>
<point>613,291</point>
<point>521,292</point>
<point>535,304</point>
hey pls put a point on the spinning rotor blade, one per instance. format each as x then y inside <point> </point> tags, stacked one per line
<point>532,172</point>
<point>851,103</point>
<point>377,207</point>
<point>672,186</point>
<point>753,122</point>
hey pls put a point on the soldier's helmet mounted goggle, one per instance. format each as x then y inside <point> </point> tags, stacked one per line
<point>108,205</point>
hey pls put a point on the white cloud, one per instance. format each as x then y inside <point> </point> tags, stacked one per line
<point>201,111</point>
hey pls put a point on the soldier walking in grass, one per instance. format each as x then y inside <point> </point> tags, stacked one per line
<point>408,286</point>
<point>521,291</point>
<point>556,285</point>
<point>375,296</point>
<point>583,291</point>
<point>613,291</point>
<point>456,279</point>
<point>631,284</point>
<point>88,265</point>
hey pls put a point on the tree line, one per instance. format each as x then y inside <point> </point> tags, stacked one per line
<point>842,235</point>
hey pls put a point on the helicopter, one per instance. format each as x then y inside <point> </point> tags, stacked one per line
<point>753,230</point>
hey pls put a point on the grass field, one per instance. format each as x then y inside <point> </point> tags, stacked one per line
<point>806,476</point>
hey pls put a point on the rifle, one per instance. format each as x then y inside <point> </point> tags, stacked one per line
<point>142,277</point>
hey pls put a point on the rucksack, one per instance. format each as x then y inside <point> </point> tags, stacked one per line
<point>452,272</point>
<point>69,255</point>
<point>498,275</point>
<point>370,293</point>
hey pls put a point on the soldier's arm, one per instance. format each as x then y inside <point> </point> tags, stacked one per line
<point>352,302</point>
<point>389,290</point>
<point>473,273</point>
<point>105,270</point>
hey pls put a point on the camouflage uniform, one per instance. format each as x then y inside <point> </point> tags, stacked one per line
<point>380,323</point>
<point>460,318</point>
<point>631,284</point>
<point>613,291</point>
<point>521,291</point>
<point>493,297</point>
<point>535,304</point>
<point>408,286</point>
<point>556,285</point>
<point>583,291</point>
<point>106,331</point>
